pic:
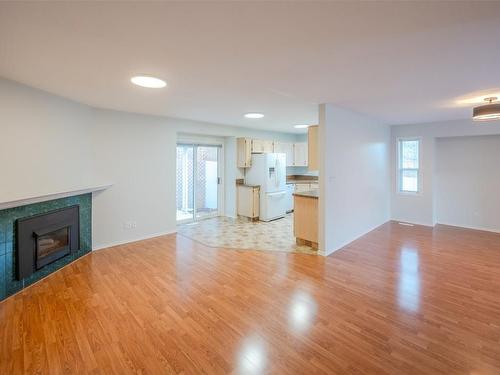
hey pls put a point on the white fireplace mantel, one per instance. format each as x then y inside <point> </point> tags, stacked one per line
<point>51,196</point>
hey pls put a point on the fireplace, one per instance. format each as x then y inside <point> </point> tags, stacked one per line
<point>45,238</point>
<point>51,245</point>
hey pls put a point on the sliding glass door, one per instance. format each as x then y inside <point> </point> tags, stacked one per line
<point>207,181</point>
<point>185,182</point>
<point>198,181</point>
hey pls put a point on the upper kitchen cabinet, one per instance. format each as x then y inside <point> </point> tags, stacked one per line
<point>313,151</point>
<point>244,152</point>
<point>296,153</point>
<point>268,146</point>
<point>285,148</point>
<point>260,146</point>
<point>300,154</point>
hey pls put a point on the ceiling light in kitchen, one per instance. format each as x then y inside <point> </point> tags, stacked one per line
<point>301,126</point>
<point>254,115</point>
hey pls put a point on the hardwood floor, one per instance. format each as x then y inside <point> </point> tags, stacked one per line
<point>400,300</point>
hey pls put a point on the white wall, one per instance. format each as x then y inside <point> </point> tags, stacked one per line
<point>415,208</point>
<point>136,153</point>
<point>420,208</point>
<point>354,176</point>
<point>45,144</point>
<point>468,182</point>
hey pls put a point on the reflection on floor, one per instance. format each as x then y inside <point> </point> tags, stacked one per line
<point>398,301</point>
<point>184,215</point>
<point>241,233</point>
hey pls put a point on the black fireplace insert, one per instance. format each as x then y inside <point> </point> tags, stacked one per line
<point>44,238</point>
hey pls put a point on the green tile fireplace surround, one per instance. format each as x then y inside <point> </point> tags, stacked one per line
<point>8,282</point>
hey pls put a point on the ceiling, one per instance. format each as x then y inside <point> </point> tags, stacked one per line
<point>400,62</point>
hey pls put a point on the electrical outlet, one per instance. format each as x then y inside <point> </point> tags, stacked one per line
<point>129,225</point>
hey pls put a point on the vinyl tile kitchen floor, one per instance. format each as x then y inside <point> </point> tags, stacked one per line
<point>240,233</point>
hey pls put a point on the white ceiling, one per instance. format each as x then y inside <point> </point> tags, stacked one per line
<point>401,62</point>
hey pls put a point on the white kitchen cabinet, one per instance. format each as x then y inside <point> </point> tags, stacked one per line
<point>285,148</point>
<point>248,201</point>
<point>268,146</point>
<point>262,146</point>
<point>244,152</point>
<point>296,153</point>
<point>300,154</point>
<point>257,146</point>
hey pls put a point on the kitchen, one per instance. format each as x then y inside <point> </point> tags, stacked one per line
<point>281,181</point>
<point>271,181</point>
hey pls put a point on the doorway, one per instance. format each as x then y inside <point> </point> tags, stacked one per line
<point>198,188</point>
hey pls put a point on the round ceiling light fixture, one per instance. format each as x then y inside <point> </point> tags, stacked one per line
<point>487,112</point>
<point>254,115</point>
<point>148,82</point>
<point>301,126</point>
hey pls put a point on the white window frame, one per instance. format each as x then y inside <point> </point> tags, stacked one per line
<point>399,169</point>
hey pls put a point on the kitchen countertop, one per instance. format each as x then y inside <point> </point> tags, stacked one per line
<point>301,179</point>
<point>241,182</point>
<point>289,180</point>
<point>308,194</point>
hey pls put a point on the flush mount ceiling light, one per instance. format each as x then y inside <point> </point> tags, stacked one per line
<point>254,115</point>
<point>476,98</point>
<point>487,112</point>
<point>148,81</point>
<point>301,126</point>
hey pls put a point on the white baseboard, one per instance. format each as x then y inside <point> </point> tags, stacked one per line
<point>117,243</point>
<point>484,229</point>
<point>413,222</point>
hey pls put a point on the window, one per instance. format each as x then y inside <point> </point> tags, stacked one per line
<point>409,165</point>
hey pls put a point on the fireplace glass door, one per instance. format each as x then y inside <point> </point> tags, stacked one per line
<point>51,246</point>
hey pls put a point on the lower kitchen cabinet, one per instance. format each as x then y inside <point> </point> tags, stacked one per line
<point>248,201</point>
<point>305,220</point>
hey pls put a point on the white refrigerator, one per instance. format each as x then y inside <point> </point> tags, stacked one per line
<point>269,172</point>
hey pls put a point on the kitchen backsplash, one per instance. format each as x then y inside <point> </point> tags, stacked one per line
<point>300,171</point>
